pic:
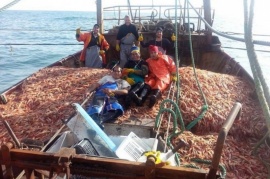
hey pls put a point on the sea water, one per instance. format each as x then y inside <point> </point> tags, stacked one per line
<point>30,40</point>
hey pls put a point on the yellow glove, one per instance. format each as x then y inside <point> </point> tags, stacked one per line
<point>117,47</point>
<point>130,81</point>
<point>157,156</point>
<point>173,37</point>
<point>130,70</point>
<point>173,78</point>
<point>101,52</point>
<point>78,31</point>
<point>140,38</point>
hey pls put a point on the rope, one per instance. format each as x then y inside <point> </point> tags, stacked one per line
<point>259,42</point>
<point>175,106</point>
<point>9,5</point>
<point>208,162</point>
<point>260,84</point>
<point>257,74</point>
<point>205,106</point>
<point>176,55</point>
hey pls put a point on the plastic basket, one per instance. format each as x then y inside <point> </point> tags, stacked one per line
<point>131,148</point>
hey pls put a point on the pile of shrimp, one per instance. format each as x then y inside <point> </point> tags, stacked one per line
<point>221,92</point>
<point>37,107</point>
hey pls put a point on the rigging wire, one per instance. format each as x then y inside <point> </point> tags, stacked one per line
<point>40,44</point>
<point>38,30</point>
<point>9,5</point>
<point>238,33</point>
<point>237,48</point>
<point>258,42</point>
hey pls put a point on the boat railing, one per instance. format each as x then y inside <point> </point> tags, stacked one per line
<point>155,15</point>
<point>233,115</point>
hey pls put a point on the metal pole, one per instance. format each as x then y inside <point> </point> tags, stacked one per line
<point>11,133</point>
<point>100,16</point>
<point>207,17</point>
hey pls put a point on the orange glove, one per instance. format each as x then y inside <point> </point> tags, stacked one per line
<point>127,71</point>
<point>124,72</point>
<point>130,70</point>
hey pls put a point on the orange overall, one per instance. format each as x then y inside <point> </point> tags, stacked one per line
<point>160,71</point>
<point>86,38</point>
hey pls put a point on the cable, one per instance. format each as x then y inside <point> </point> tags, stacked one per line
<point>259,42</point>
<point>9,5</point>
<point>38,44</point>
<point>236,48</point>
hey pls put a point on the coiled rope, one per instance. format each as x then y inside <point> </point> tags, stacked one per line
<point>173,104</point>
<point>175,112</point>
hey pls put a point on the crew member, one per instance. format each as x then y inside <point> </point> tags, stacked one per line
<point>134,73</point>
<point>162,71</point>
<point>95,46</point>
<point>104,106</point>
<point>163,44</point>
<point>127,36</point>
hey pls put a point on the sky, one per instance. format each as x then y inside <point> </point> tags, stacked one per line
<point>75,5</point>
<point>90,5</point>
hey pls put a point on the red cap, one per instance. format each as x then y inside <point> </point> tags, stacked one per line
<point>153,48</point>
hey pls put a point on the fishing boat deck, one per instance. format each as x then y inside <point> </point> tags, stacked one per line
<point>37,106</point>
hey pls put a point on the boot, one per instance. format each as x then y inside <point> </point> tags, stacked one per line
<point>143,95</point>
<point>153,98</point>
<point>110,115</point>
<point>128,101</point>
<point>133,92</point>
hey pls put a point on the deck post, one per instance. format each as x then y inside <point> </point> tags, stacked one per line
<point>207,17</point>
<point>100,15</point>
<point>5,150</point>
